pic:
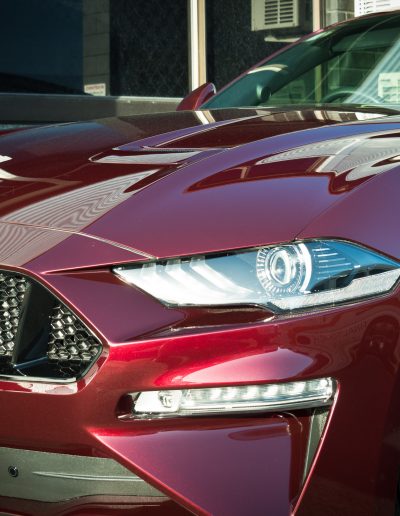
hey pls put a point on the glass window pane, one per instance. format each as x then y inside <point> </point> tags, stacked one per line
<point>356,63</point>
<point>41,46</point>
<point>237,39</point>
<point>97,47</point>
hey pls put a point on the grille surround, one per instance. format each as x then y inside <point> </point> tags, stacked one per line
<point>41,338</point>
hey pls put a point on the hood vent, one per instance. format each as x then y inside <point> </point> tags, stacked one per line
<point>147,158</point>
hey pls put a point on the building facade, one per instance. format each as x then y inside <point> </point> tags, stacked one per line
<point>147,49</point>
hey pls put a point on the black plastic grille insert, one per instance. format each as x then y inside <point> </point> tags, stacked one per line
<point>40,336</point>
<point>12,294</point>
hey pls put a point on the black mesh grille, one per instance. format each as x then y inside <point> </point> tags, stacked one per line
<point>71,345</point>
<point>39,336</point>
<point>12,293</point>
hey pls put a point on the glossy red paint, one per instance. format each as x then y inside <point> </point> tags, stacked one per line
<point>78,199</point>
<point>364,345</point>
<point>109,197</point>
<point>197,97</point>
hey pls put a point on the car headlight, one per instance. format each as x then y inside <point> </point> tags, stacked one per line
<point>282,278</point>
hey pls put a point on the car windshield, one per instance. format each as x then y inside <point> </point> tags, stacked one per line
<point>354,63</point>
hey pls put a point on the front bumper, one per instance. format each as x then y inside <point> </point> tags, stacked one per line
<point>238,465</point>
<point>57,477</point>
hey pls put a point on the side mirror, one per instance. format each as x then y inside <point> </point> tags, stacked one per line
<point>197,97</point>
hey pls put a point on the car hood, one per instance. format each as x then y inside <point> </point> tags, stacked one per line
<point>192,182</point>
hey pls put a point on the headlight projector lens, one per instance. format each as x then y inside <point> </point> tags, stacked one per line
<point>284,270</point>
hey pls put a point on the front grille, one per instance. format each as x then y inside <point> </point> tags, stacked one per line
<point>71,345</point>
<point>40,336</point>
<point>12,294</point>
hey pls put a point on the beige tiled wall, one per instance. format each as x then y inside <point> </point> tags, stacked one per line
<point>337,10</point>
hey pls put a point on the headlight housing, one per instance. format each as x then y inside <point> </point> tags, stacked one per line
<point>283,278</point>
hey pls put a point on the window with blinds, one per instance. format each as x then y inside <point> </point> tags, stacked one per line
<point>372,6</point>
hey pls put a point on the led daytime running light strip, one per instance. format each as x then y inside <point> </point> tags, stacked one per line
<point>233,399</point>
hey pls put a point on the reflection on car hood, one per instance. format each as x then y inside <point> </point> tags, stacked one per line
<point>192,182</point>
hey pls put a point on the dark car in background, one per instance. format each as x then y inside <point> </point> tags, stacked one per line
<point>200,310</point>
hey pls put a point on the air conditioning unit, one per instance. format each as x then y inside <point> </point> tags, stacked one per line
<point>274,14</point>
<point>373,6</point>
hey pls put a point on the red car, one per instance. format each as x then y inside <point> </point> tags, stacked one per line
<point>200,310</point>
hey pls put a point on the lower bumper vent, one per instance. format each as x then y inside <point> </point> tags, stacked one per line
<point>39,336</point>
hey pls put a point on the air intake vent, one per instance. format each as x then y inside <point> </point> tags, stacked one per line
<point>274,14</point>
<point>39,336</point>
